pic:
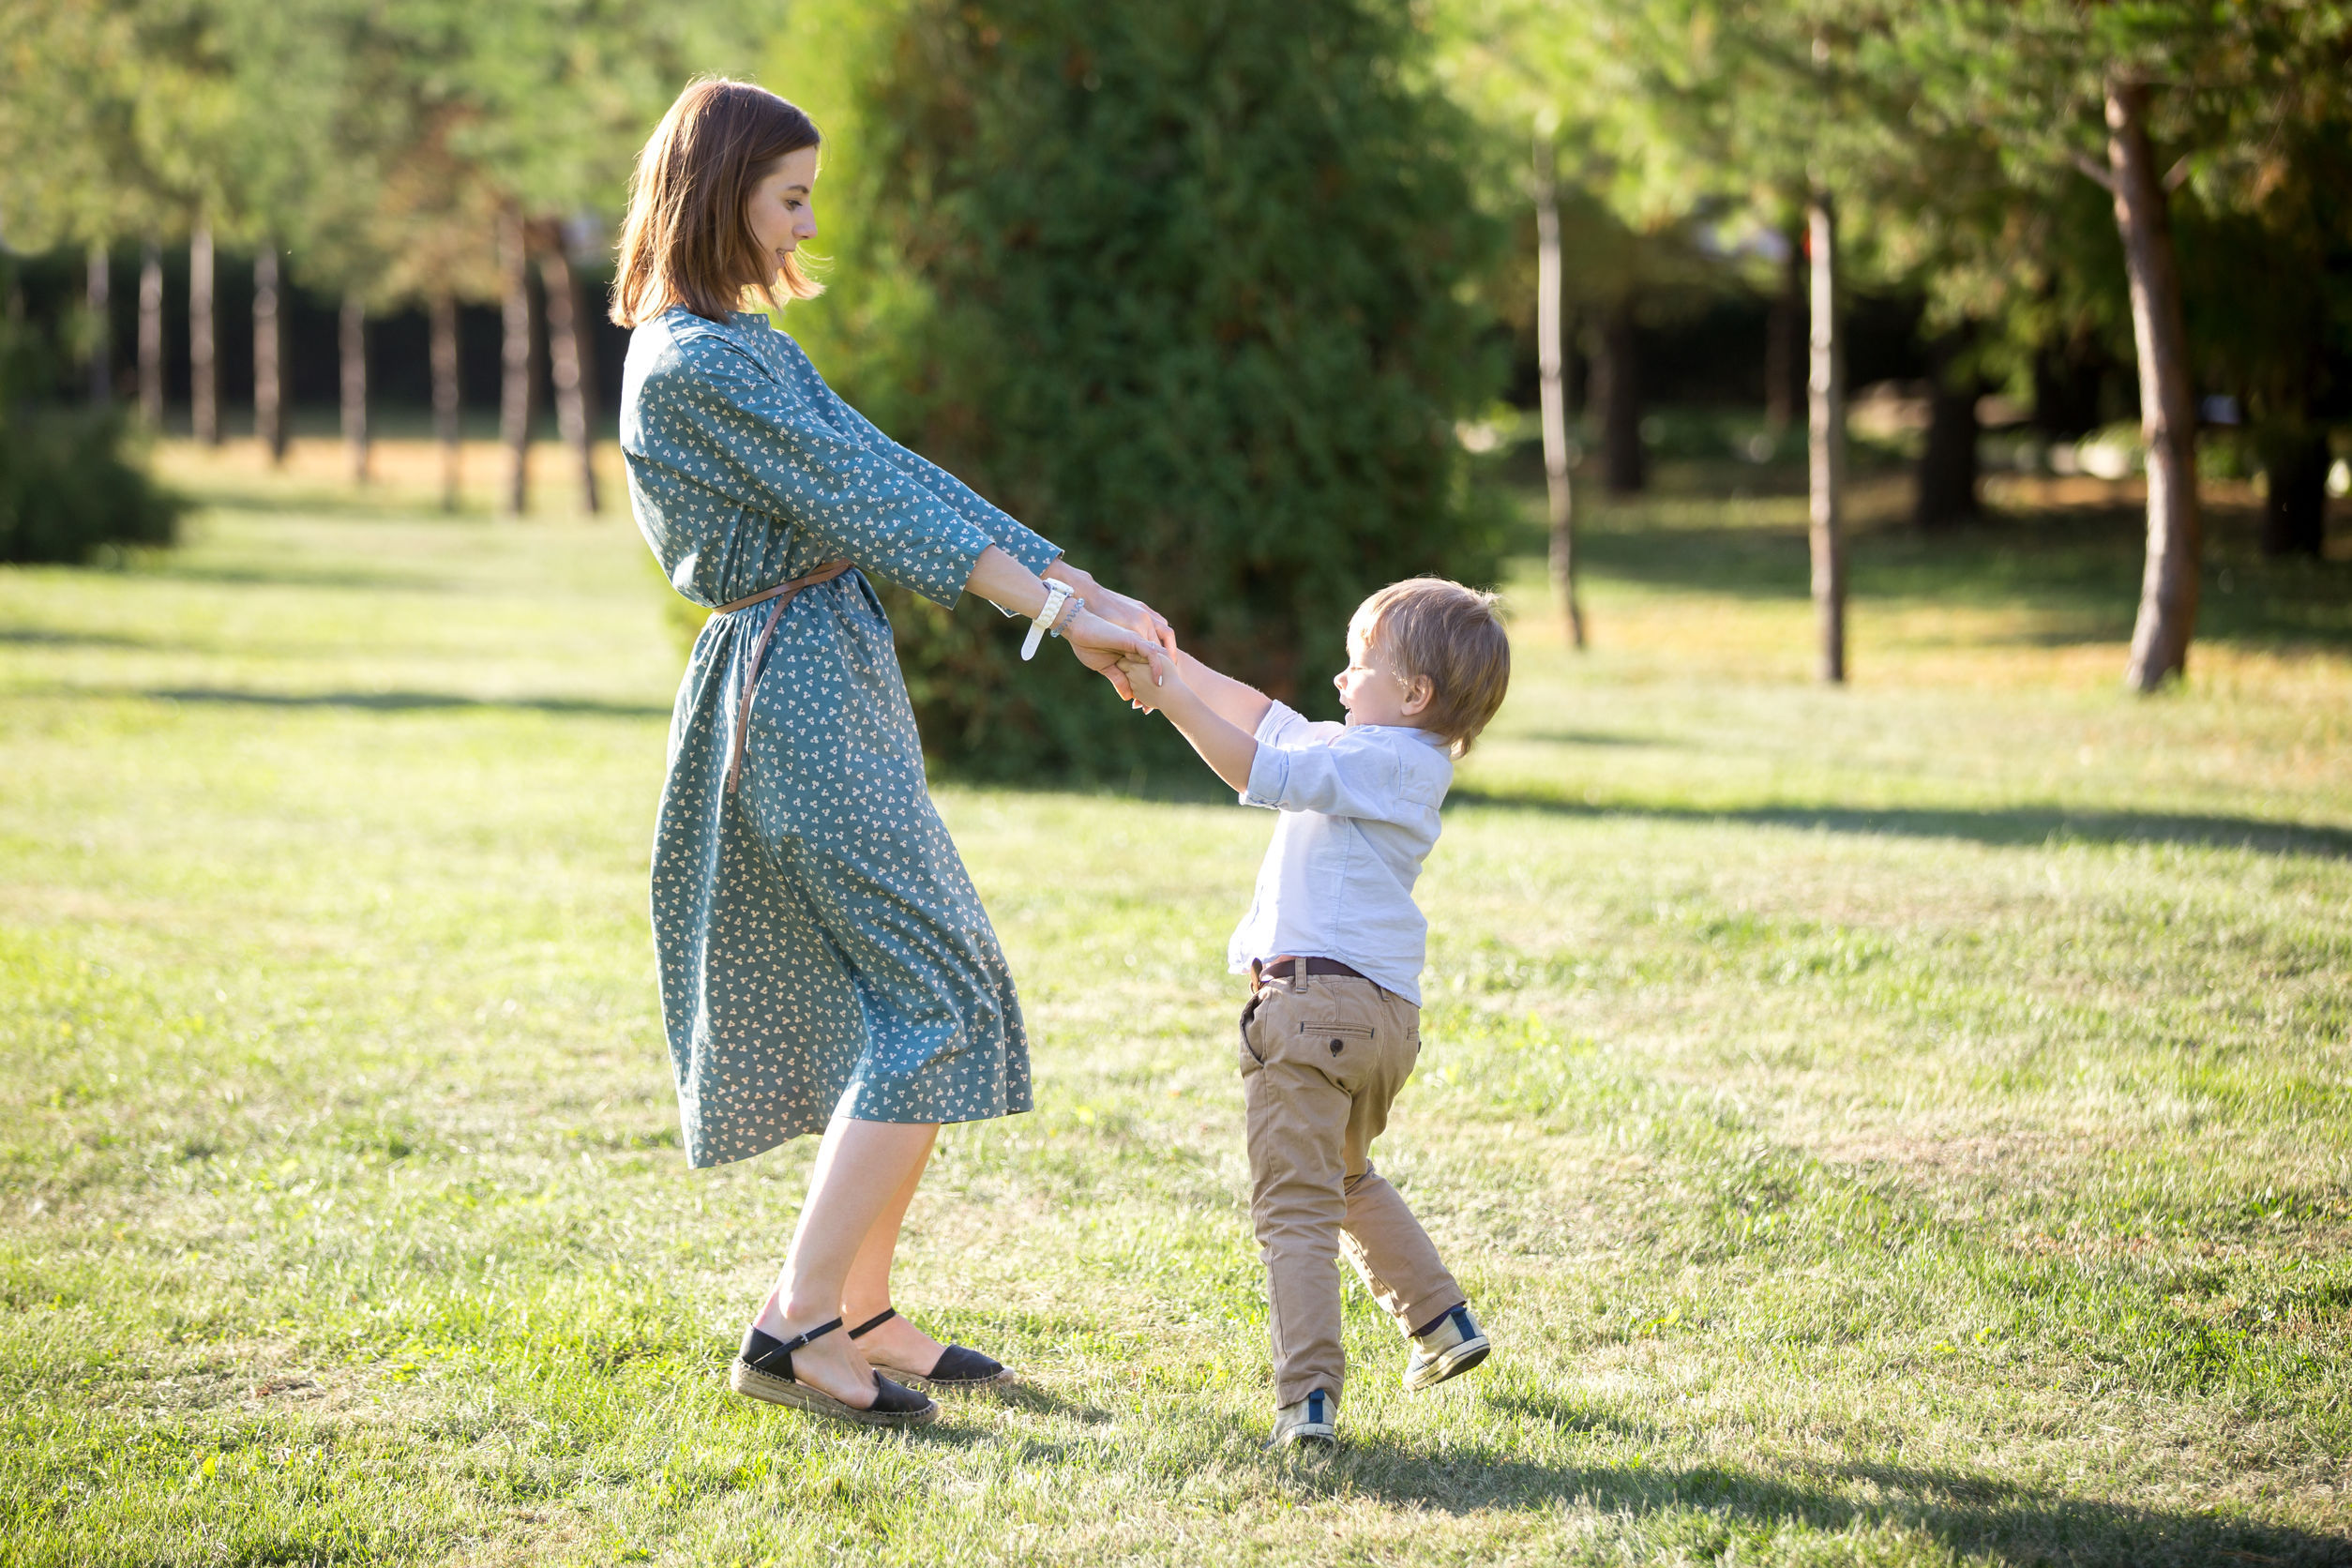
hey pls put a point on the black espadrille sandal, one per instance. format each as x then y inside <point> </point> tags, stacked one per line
<point>764,1371</point>
<point>956,1371</point>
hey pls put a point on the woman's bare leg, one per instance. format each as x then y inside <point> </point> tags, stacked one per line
<point>867,1291</point>
<point>862,1167</point>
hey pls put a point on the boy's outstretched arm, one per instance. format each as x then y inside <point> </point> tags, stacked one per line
<point>1228,748</point>
<point>1242,706</point>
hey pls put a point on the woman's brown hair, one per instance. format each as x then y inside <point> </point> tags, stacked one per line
<point>686,240</point>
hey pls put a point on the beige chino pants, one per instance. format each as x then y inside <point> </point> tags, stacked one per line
<point>1321,1058</point>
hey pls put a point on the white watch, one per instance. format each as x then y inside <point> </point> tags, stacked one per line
<point>1057,594</point>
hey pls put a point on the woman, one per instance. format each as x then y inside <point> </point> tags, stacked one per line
<point>824,961</point>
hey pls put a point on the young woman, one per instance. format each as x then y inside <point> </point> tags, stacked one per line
<point>824,961</point>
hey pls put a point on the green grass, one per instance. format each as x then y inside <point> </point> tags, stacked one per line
<point>1905,1124</point>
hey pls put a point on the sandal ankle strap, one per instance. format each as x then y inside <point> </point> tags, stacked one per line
<point>789,1346</point>
<point>871,1324</point>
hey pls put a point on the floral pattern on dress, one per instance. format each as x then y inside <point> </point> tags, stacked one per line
<point>822,949</point>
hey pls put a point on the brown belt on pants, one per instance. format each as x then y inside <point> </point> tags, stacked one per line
<point>785,592</point>
<point>1263,974</point>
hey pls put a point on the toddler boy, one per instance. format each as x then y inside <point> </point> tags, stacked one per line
<point>1334,946</point>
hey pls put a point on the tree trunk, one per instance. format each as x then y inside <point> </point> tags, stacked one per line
<point>514,398</point>
<point>568,360</point>
<point>203,363</point>
<point>1946,477</point>
<point>2169,585</point>
<point>1784,330</point>
<point>151,335</point>
<point>353,343</point>
<point>445,356</point>
<point>1824,433</point>
<point>269,402</point>
<point>98,284</point>
<point>2295,461</point>
<point>1558,493</point>
<point>1617,390</point>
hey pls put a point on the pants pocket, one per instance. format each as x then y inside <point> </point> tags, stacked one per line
<point>1250,1059</point>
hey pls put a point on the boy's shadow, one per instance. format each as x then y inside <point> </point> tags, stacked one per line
<point>1975,1517</point>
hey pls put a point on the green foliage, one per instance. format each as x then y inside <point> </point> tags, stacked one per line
<point>69,484</point>
<point>1186,289</point>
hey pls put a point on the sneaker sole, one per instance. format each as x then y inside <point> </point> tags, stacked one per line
<point>1450,1363</point>
<point>749,1381</point>
<point>1306,1436</point>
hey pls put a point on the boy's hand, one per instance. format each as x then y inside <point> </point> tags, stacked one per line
<point>1148,690</point>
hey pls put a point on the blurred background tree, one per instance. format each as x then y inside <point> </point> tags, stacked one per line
<point>1218,296</point>
<point>1187,289</point>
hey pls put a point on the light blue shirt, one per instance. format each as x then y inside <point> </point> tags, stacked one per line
<point>1359,806</point>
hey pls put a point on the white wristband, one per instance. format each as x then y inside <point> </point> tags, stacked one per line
<point>1057,594</point>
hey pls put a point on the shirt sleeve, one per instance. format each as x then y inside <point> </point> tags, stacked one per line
<point>1352,773</point>
<point>730,426</point>
<point>1010,534</point>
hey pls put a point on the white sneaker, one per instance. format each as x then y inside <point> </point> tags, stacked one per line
<point>1452,1345</point>
<point>1313,1420</point>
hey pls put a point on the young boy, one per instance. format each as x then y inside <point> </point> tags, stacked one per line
<point>1333,944</point>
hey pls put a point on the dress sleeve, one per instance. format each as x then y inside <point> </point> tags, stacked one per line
<point>1011,536</point>
<point>733,428</point>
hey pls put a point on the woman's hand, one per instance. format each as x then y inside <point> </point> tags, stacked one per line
<point>1110,651</point>
<point>1116,607</point>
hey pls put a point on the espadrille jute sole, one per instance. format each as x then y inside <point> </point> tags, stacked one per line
<point>1004,1381</point>
<point>748,1380</point>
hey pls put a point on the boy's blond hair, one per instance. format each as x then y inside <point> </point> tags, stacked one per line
<point>1452,634</point>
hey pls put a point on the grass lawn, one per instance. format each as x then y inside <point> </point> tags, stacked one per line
<point>1909,1125</point>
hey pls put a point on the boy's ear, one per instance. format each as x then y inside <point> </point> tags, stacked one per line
<point>1419,693</point>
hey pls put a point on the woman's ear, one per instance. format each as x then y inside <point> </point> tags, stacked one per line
<point>1419,693</point>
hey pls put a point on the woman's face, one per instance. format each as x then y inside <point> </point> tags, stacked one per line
<point>778,207</point>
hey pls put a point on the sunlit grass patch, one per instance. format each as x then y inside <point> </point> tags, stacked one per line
<point>1904,1124</point>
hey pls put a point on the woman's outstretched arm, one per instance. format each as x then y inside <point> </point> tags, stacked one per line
<point>1099,644</point>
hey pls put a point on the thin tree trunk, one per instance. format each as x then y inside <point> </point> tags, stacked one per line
<point>514,401</point>
<point>1825,432</point>
<point>151,335</point>
<point>1617,390</point>
<point>1560,497</point>
<point>269,402</point>
<point>1946,476</point>
<point>98,284</point>
<point>204,362</point>
<point>568,360</point>
<point>1784,331</point>
<point>444,355</point>
<point>2169,585</point>
<point>353,343</point>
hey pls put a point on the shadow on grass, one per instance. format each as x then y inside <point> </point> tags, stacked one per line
<point>1975,1517</point>
<point>2023,825</point>
<point>2080,563</point>
<point>406,702</point>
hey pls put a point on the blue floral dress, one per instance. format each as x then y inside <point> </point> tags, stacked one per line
<point>821,948</point>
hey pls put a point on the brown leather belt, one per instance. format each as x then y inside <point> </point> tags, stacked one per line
<point>785,593</point>
<point>1300,968</point>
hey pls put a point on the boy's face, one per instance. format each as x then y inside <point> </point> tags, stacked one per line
<point>1372,690</point>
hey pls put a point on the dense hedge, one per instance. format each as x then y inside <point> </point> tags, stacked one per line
<point>1184,285</point>
<point>68,485</point>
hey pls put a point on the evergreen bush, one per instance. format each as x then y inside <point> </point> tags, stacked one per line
<point>1187,286</point>
<point>69,484</point>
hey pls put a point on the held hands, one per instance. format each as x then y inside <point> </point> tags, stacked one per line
<point>1131,663</point>
<point>1117,609</point>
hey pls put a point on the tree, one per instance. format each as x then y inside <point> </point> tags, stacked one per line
<point>1183,286</point>
<point>2141,98</point>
